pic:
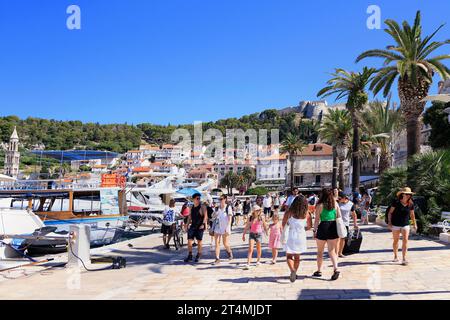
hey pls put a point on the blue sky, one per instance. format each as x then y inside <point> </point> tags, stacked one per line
<point>176,61</point>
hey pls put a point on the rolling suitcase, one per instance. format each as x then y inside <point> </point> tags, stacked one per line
<point>353,242</point>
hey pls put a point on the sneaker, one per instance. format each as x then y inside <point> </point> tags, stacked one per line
<point>167,246</point>
<point>404,263</point>
<point>335,275</point>
<point>189,258</point>
<point>317,274</point>
<point>293,276</point>
<point>197,258</point>
<point>230,255</point>
<point>217,261</point>
<point>258,263</point>
<point>246,266</point>
<point>395,260</point>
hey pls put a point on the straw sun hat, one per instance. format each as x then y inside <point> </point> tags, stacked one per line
<point>256,207</point>
<point>406,190</point>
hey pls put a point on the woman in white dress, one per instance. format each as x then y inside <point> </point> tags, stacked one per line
<point>299,221</point>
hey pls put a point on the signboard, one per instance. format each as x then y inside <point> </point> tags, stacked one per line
<point>109,199</point>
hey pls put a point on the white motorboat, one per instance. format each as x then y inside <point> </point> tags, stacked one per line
<point>22,229</point>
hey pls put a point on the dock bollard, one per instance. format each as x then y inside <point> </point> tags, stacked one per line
<point>79,246</point>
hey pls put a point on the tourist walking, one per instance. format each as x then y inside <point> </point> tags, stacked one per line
<point>211,219</point>
<point>291,198</point>
<point>267,203</point>
<point>196,225</point>
<point>299,220</point>
<point>325,231</point>
<point>365,207</point>
<point>222,229</point>
<point>276,202</point>
<point>168,223</point>
<point>282,201</point>
<point>238,209</point>
<point>347,209</point>
<point>246,209</point>
<point>185,210</point>
<point>399,216</point>
<point>256,224</point>
<point>275,236</point>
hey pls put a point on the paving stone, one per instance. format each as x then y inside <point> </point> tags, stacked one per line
<point>151,273</point>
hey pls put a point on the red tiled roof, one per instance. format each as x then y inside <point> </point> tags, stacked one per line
<point>317,149</point>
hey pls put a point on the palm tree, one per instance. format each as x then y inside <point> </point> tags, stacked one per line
<point>380,122</point>
<point>249,176</point>
<point>351,85</point>
<point>336,130</point>
<point>292,145</point>
<point>229,181</point>
<point>409,60</point>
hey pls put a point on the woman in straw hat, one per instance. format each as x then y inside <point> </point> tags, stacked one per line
<point>399,216</point>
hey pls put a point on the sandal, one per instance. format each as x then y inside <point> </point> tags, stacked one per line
<point>335,275</point>
<point>317,274</point>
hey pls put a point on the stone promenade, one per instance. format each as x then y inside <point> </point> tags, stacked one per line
<point>156,273</point>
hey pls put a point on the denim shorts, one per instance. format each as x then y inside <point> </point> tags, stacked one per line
<point>257,237</point>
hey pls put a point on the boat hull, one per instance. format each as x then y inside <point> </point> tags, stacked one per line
<point>104,230</point>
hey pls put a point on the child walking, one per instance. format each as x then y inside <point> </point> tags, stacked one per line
<point>299,221</point>
<point>256,224</point>
<point>275,236</point>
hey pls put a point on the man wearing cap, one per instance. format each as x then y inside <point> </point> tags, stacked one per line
<point>347,208</point>
<point>196,225</point>
<point>399,215</point>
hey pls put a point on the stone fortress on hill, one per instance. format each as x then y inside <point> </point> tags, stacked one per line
<point>314,110</point>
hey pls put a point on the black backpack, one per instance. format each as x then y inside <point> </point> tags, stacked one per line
<point>386,215</point>
<point>210,211</point>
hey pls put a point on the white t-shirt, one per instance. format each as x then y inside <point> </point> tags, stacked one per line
<point>223,217</point>
<point>169,216</point>
<point>276,202</point>
<point>267,202</point>
<point>346,209</point>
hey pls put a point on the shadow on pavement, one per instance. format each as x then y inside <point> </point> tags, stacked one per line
<point>350,294</point>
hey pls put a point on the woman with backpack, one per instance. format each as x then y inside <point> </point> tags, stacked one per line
<point>222,228</point>
<point>400,213</point>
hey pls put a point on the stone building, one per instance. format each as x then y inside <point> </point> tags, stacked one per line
<point>313,168</point>
<point>12,156</point>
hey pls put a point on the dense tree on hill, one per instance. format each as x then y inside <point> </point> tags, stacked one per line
<point>66,135</point>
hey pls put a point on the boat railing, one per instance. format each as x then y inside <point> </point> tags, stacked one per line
<point>48,185</point>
